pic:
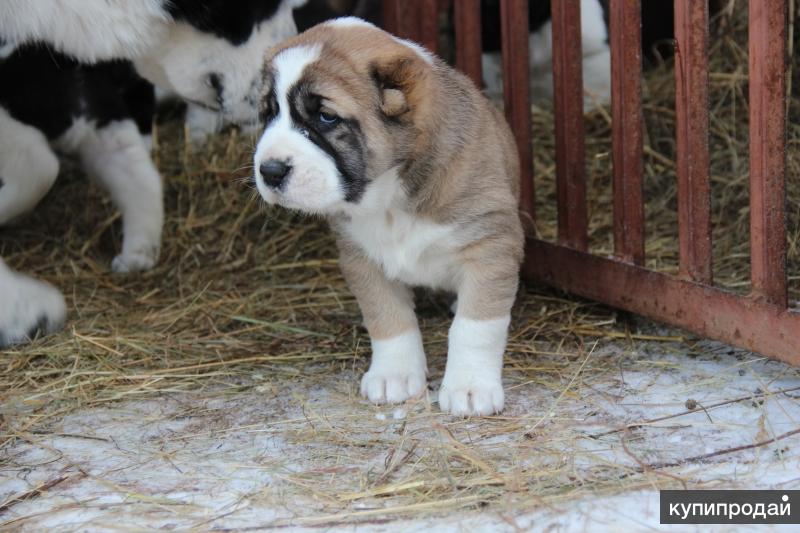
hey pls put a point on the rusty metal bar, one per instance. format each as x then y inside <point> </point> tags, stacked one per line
<point>707,311</point>
<point>391,16</point>
<point>691,110</point>
<point>467,15</point>
<point>626,110</point>
<point>767,30</point>
<point>569,130</point>
<point>428,24</point>
<point>418,21</point>
<point>516,94</point>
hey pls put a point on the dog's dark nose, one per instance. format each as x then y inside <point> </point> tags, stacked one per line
<point>274,171</point>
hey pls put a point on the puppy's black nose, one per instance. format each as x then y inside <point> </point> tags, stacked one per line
<point>274,171</point>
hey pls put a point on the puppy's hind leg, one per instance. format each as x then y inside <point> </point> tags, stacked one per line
<point>28,307</point>
<point>398,369</point>
<point>28,167</point>
<point>472,383</point>
<point>117,157</point>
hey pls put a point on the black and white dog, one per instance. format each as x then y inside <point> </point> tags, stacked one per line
<point>208,52</point>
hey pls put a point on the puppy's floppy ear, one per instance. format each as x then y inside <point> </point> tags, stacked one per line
<point>398,79</point>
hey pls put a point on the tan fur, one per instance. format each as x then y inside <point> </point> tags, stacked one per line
<point>387,305</point>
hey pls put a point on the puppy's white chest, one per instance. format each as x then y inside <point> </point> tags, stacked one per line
<point>409,249</point>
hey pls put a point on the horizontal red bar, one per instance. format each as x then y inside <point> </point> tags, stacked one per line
<point>707,311</point>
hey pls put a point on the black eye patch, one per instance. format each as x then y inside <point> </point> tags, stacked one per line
<point>341,138</point>
<point>269,107</point>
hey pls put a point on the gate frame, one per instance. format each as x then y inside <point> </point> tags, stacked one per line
<point>760,321</point>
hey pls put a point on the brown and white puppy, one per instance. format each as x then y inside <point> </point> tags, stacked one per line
<point>418,175</point>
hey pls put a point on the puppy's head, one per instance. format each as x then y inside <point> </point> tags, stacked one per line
<point>342,105</point>
<point>212,52</point>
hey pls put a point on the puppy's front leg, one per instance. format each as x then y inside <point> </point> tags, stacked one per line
<point>398,370</point>
<point>472,382</point>
<point>117,157</point>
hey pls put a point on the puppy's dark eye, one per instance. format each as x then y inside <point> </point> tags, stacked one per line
<point>327,119</point>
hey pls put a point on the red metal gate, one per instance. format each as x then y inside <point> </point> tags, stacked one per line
<point>760,321</point>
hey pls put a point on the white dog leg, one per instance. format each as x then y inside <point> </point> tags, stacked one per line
<point>27,307</point>
<point>117,157</point>
<point>28,167</point>
<point>398,369</point>
<point>472,382</point>
<point>201,122</point>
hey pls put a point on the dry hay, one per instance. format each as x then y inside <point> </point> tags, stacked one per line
<point>247,307</point>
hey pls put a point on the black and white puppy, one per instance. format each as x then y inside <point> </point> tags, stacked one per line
<point>101,113</point>
<point>208,52</point>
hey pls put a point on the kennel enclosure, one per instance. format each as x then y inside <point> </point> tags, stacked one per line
<point>761,321</point>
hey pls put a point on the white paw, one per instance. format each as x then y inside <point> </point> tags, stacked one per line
<point>29,307</point>
<point>201,122</point>
<point>474,397</point>
<point>138,261</point>
<point>472,384</point>
<point>398,370</point>
<point>380,388</point>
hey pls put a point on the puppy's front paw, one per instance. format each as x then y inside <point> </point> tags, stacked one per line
<point>398,370</point>
<point>471,395</point>
<point>28,307</point>
<point>387,387</point>
<point>472,384</point>
<point>137,261</point>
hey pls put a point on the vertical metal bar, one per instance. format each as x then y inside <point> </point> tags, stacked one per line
<point>428,19</point>
<point>467,16</point>
<point>691,108</point>
<point>390,16</point>
<point>418,21</point>
<point>516,93</point>
<point>767,27</point>
<point>626,111</point>
<point>569,130</point>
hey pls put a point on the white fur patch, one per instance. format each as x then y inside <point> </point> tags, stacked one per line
<point>27,305</point>
<point>349,22</point>
<point>408,248</point>
<point>28,167</point>
<point>314,184</point>
<point>202,122</point>
<point>472,382</point>
<point>398,369</point>
<point>420,50</point>
<point>90,30</point>
<point>183,60</point>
